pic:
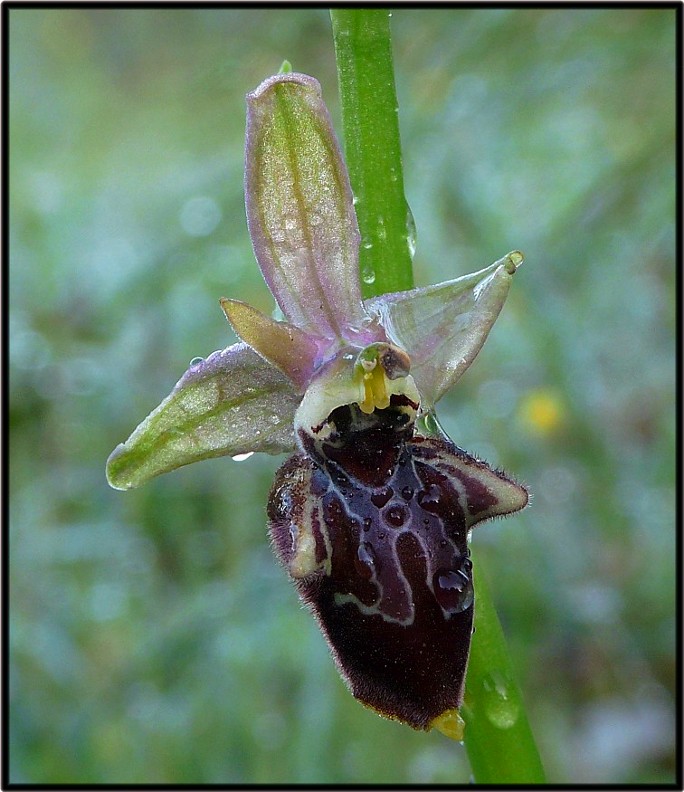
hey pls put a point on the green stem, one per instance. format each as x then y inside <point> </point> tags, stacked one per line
<point>500,745</point>
<point>498,739</point>
<point>363,49</point>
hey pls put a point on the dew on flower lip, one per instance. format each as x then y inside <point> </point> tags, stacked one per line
<point>370,515</point>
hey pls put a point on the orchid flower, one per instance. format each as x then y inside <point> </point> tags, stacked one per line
<point>371,514</point>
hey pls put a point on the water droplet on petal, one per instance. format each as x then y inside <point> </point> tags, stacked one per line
<point>430,498</point>
<point>365,565</point>
<point>379,499</point>
<point>242,457</point>
<point>196,361</point>
<point>407,493</point>
<point>367,523</point>
<point>396,515</point>
<point>453,590</point>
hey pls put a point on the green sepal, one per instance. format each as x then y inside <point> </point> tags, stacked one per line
<point>234,402</point>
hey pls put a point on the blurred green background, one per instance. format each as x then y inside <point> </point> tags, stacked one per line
<point>153,636</point>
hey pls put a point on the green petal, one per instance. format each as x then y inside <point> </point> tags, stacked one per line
<point>234,402</point>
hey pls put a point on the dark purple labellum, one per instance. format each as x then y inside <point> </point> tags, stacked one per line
<point>372,523</point>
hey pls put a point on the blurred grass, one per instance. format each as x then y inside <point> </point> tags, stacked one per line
<point>153,638</point>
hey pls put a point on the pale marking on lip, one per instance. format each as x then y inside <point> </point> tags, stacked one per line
<point>431,566</point>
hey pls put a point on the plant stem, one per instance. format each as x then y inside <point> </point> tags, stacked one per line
<point>498,739</point>
<point>500,745</point>
<point>363,49</point>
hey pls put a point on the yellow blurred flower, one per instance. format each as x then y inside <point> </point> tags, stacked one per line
<point>542,411</point>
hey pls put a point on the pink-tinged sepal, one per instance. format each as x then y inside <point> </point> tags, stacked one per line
<point>443,327</point>
<point>300,210</point>
<point>372,523</point>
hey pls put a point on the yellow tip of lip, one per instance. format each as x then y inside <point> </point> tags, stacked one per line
<point>450,723</point>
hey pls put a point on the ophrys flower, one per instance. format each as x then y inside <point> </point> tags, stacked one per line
<point>371,514</point>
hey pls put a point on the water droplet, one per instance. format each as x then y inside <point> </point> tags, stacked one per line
<point>407,493</point>
<point>196,361</point>
<point>453,590</point>
<point>430,498</point>
<point>379,499</point>
<point>411,234</point>
<point>355,200</point>
<point>382,231</point>
<point>428,425</point>
<point>365,565</point>
<point>242,457</point>
<point>500,702</point>
<point>396,515</point>
<point>368,276</point>
<point>367,523</point>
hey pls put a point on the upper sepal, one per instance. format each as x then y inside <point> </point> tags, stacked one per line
<point>231,403</point>
<point>300,209</point>
<point>443,327</point>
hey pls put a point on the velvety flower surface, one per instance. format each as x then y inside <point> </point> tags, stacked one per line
<point>370,516</point>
